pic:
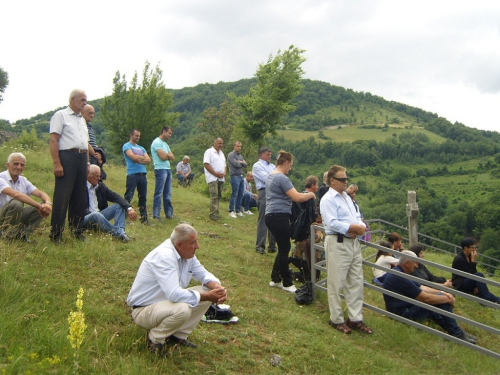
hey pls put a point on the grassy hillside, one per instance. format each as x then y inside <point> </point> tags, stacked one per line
<point>39,283</point>
<point>351,133</point>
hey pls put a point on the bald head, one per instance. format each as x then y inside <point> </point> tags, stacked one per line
<point>88,113</point>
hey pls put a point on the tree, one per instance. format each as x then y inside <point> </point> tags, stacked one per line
<point>142,106</point>
<point>218,123</point>
<point>278,83</point>
<point>4,82</point>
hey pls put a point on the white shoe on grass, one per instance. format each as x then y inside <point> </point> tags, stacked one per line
<point>292,288</point>
<point>239,213</point>
<point>232,214</point>
<point>276,285</point>
<point>248,212</point>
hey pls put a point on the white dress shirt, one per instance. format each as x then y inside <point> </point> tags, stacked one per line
<point>338,212</point>
<point>164,275</point>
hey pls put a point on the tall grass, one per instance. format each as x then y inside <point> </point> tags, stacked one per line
<point>39,281</point>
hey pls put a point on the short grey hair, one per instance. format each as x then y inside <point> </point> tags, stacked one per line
<point>181,233</point>
<point>406,256</point>
<point>15,155</point>
<point>75,93</point>
<point>353,186</point>
<point>93,169</point>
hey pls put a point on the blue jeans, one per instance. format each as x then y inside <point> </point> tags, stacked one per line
<point>163,188</point>
<point>248,201</point>
<point>238,188</point>
<point>101,220</point>
<point>468,286</point>
<point>447,323</point>
<point>139,181</point>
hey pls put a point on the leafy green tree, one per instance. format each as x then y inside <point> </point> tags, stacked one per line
<point>4,82</point>
<point>278,83</point>
<point>141,105</point>
<point>218,123</point>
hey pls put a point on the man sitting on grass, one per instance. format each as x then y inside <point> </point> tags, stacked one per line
<point>422,293</point>
<point>160,299</point>
<point>466,262</point>
<point>17,221</point>
<point>100,214</point>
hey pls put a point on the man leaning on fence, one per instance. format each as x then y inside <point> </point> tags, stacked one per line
<point>422,293</point>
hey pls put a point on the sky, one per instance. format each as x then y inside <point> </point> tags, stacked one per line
<point>442,56</point>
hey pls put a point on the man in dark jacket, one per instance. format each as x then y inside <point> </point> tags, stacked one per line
<point>466,262</point>
<point>99,213</point>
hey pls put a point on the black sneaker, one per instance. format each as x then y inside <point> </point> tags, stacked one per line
<point>272,250</point>
<point>260,251</point>
<point>145,221</point>
<point>156,349</point>
<point>464,336</point>
<point>173,341</point>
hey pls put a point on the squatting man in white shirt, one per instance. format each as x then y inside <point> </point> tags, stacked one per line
<point>160,299</point>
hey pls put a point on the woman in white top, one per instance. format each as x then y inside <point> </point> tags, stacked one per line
<point>384,259</point>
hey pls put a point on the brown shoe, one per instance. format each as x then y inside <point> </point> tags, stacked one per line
<point>341,327</point>
<point>360,326</point>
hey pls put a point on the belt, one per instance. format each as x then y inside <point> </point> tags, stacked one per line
<point>339,235</point>
<point>136,307</point>
<point>79,150</point>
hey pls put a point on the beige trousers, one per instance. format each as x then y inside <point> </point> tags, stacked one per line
<point>165,318</point>
<point>345,273</point>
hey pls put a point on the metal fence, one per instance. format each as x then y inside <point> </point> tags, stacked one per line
<point>320,285</point>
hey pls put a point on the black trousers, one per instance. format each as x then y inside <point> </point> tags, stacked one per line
<point>279,225</point>
<point>70,194</point>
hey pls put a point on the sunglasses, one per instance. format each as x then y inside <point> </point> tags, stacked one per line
<point>343,180</point>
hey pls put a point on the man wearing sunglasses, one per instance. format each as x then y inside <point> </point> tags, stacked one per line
<point>343,253</point>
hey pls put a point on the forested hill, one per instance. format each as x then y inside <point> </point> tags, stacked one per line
<point>319,105</point>
<point>388,148</point>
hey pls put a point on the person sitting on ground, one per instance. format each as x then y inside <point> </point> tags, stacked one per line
<point>395,239</point>
<point>99,213</point>
<point>17,221</point>
<point>422,293</point>
<point>249,198</point>
<point>466,262</point>
<point>160,299</point>
<point>184,173</point>
<point>422,272</point>
<point>383,259</point>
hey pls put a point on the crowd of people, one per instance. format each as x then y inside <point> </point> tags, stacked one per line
<point>160,299</point>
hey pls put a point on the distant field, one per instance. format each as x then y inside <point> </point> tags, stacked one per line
<point>354,132</point>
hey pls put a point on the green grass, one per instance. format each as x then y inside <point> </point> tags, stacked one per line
<point>352,133</point>
<point>39,283</point>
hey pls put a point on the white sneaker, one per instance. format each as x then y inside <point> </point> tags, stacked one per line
<point>239,213</point>
<point>291,288</point>
<point>276,285</point>
<point>232,214</point>
<point>248,212</point>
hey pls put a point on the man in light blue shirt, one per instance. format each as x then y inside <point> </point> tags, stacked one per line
<point>261,170</point>
<point>343,253</point>
<point>160,151</point>
<point>136,158</point>
<point>160,299</point>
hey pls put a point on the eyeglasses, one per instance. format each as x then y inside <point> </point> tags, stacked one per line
<point>343,180</point>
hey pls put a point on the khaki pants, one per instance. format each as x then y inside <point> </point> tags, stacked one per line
<point>165,318</point>
<point>215,189</point>
<point>345,272</point>
<point>15,219</point>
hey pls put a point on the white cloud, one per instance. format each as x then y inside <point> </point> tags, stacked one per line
<point>439,56</point>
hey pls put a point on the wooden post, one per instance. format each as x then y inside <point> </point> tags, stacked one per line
<point>412,213</point>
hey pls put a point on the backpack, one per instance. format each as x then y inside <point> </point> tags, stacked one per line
<point>303,296</point>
